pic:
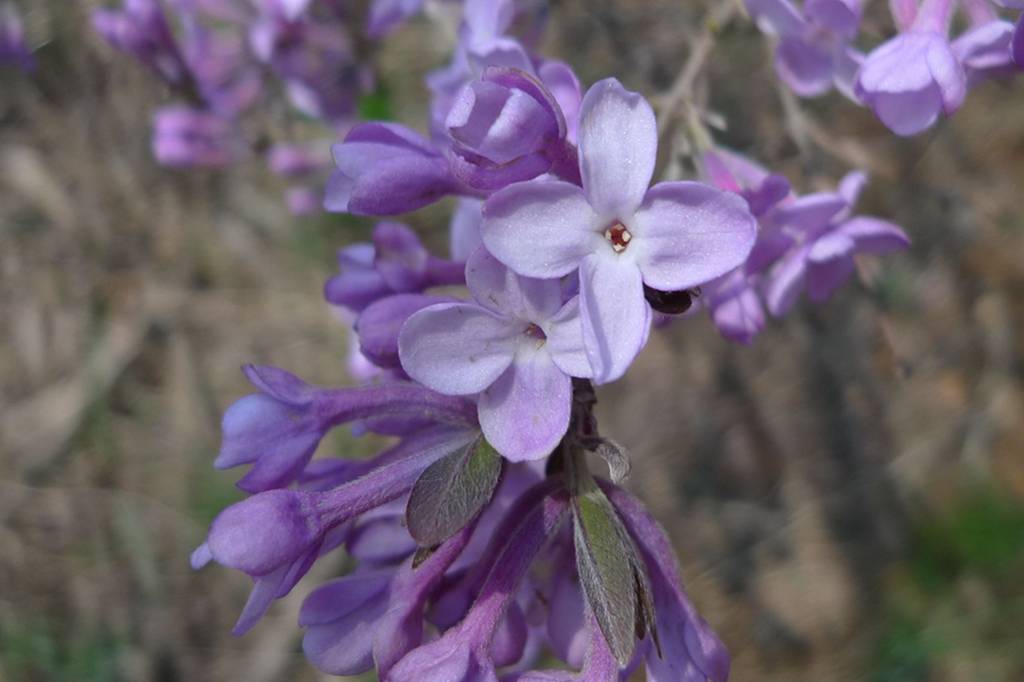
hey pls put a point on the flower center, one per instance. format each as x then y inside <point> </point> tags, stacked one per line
<point>618,236</point>
<point>535,332</point>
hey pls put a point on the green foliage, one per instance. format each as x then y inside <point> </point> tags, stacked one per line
<point>35,651</point>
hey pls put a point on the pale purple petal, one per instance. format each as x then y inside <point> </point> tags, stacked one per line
<point>465,228</point>
<point>541,229</point>
<point>379,325</point>
<point>873,235</point>
<point>616,317</point>
<point>526,411</point>
<point>688,233</point>
<point>502,291</point>
<point>842,17</point>
<point>829,264</point>
<point>561,81</point>
<point>499,123</point>
<point>780,17</point>
<point>344,646</point>
<point>911,79</point>
<point>564,334</point>
<point>809,212</point>
<point>618,147</point>
<point>785,282</point>
<point>456,348</point>
<point>739,318</point>
<point>805,67</point>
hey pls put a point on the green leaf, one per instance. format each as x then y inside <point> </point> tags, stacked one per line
<point>614,581</point>
<point>451,492</point>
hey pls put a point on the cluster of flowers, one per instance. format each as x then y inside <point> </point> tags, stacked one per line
<point>910,79</point>
<point>480,537</point>
<point>229,61</point>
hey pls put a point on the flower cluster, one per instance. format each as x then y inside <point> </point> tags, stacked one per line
<point>479,536</point>
<point>805,243</point>
<point>225,60</point>
<point>909,80</point>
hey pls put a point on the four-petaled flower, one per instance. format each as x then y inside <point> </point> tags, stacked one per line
<point>517,346</point>
<point>617,232</point>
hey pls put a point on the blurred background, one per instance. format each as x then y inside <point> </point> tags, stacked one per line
<point>846,495</point>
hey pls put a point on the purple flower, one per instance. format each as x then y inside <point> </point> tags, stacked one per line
<point>507,127</point>
<point>517,346</point>
<point>824,245</point>
<point>986,50</point>
<point>814,51</point>
<point>910,79</point>
<point>312,56</point>
<point>617,232</point>
<point>141,30</point>
<point>464,652</point>
<point>14,50</point>
<point>395,263</point>
<point>386,169</point>
<point>278,429</point>
<point>276,535</point>
<point>185,137</point>
<point>387,15</point>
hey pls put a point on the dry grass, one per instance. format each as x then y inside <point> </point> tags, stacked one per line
<point>792,474</point>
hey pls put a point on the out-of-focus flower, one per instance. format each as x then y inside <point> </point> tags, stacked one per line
<point>815,50</point>
<point>911,79</point>
<point>190,138</point>
<point>396,262</point>
<point>822,255</point>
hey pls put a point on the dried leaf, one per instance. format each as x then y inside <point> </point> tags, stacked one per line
<point>617,459</point>
<point>451,492</point>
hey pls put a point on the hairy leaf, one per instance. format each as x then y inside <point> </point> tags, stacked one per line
<point>606,569</point>
<point>451,492</point>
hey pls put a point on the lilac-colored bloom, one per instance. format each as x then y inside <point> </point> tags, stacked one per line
<point>278,429</point>
<point>276,535</point>
<point>386,169</point>
<point>141,30</point>
<point>312,56</point>
<point>396,262</point>
<point>814,51</point>
<point>517,346</point>
<point>507,127</point>
<point>986,50</point>
<point>185,137</point>
<point>464,652</point>
<point>617,232</point>
<point>824,245</point>
<point>379,324</point>
<point>911,79</point>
